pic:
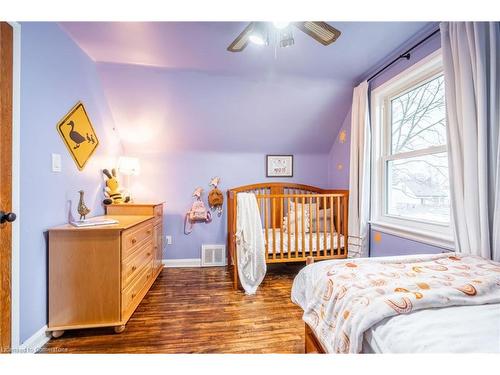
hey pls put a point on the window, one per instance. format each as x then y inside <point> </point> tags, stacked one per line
<point>410,161</point>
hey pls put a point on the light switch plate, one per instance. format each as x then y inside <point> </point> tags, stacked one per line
<point>56,163</point>
<point>169,240</point>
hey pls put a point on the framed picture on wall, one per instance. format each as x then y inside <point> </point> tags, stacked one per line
<point>279,165</point>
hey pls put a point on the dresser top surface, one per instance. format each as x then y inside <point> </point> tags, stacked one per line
<point>124,222</point>
<point>137,204</point>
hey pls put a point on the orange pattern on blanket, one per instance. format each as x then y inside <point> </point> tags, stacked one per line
<point>329,290</point>
<point>403,307</point>
<point>344,343</point>
<point>468,289</point>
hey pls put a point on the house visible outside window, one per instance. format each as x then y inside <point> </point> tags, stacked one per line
<point>411,192</point>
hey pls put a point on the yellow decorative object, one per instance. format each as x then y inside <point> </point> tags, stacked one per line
<point>342,136</point>
<point>112,191</point>
<point>78,135</point>
<point>377,237</point>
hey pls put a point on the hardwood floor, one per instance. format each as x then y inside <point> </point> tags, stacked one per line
<point>196,310</point>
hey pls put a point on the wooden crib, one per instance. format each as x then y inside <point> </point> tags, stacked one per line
<point>299,222</point>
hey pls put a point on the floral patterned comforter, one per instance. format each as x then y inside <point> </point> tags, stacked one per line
<point>350,297</point>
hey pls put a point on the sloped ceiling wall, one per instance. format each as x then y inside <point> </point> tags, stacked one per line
<point>164,109</point>
<point>176,82</point>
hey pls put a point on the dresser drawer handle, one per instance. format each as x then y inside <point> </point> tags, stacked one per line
<point>148,254</point>
<point>149,231</point>
<point>134,268</point>
<point>134,240</point>
<point>133,295</point>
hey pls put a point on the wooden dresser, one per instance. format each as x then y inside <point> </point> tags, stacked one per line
<point>99,275</point>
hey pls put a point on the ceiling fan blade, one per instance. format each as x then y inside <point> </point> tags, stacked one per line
<point>320,31</point>
<point>241,40</point>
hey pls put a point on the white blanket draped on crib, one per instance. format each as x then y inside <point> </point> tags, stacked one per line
<point>250,247</point>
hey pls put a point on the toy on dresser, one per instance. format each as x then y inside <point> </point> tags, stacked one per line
<point>83,210</point>
<point>112,191</point>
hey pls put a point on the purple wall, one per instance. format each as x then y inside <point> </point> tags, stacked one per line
<point>384,244</point>
<point>55,74</point>
<point>339,154</point>
<point>172,177</point>
<point>417,54</point>
<point>338,158</point>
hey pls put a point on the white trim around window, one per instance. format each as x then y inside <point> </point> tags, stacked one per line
<point>428,232</point>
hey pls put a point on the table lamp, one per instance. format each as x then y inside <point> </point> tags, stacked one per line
<point>128,166</point>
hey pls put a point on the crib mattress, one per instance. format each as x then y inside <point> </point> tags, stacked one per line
<point>296,241</point>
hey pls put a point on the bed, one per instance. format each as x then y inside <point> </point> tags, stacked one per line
<point>465,320</point>
<point>299,222</point>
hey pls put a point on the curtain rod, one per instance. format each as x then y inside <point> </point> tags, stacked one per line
<point>405,55</point>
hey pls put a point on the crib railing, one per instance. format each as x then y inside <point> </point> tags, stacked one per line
<point>276,200</point>
<point>298,226</point>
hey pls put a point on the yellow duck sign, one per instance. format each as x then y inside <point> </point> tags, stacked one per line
<point>78,135</point>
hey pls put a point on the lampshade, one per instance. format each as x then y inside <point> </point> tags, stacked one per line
<point>129,166</point>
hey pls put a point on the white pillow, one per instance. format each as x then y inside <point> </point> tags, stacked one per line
<point>306,220</point>
<point>320,222</point>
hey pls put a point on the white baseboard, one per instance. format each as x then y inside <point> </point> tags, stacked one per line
<point>178,263</point>
<point>34,343</point>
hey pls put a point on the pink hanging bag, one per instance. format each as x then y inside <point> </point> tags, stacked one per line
<point>197,214</point>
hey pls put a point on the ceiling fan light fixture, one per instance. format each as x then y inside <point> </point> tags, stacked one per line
<point>281,34</point>
<point>259,35</point>
<point>257,39</point>
<point>286,39</point>
<point>281,25</point>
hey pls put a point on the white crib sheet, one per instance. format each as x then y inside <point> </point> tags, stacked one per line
<point>307,239</point>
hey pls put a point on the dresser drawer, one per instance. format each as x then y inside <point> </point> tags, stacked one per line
<point>158,213</point>
<point>133,238</point>
<point>132,266</point>
<point>131,296</point>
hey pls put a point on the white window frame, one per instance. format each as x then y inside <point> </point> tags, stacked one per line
<point>437,234</point>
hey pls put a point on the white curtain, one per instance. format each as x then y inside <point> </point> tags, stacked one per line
<point>359,178</point>
<point>471,57</point>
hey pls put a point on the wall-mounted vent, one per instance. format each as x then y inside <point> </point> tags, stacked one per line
<point>213,255</point>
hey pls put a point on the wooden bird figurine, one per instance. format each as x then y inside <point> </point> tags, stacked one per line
<point>83,210</point>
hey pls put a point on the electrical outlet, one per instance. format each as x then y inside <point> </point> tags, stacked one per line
<point>169,240</point>
<point>56,163</point>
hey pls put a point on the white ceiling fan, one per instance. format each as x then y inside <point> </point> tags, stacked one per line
<point>258,33</point>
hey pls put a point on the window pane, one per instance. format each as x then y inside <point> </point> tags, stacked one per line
<point>418,188</point>
<point>418,118</point>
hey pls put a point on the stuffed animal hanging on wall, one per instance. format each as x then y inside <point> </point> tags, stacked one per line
<point>197,213</point>
<point>215,197</point>
<point>112,191</point>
